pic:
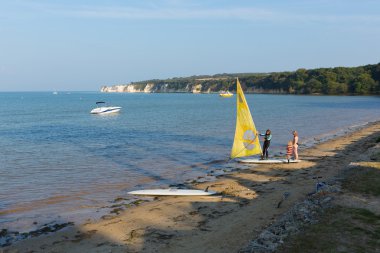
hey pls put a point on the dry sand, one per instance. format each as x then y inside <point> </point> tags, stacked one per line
<point>224,223</point>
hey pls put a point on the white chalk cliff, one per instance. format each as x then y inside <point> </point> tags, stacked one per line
<point>151,88</point>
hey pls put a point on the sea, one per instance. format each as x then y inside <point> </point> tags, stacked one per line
<point>60,163</point>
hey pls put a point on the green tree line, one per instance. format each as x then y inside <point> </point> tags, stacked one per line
<point>363,80</point>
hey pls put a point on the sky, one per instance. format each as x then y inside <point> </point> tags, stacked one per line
<point>80,45</point>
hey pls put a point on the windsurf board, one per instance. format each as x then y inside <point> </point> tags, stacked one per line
<point>172,192</point>
<point>267,161</point>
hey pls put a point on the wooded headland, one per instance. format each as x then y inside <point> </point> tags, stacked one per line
<point>362,80</point>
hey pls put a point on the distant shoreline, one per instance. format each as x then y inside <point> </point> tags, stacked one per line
<point>362,80</point>
<point>250,92</point>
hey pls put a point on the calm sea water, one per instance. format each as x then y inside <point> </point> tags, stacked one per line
<point>58,161</point>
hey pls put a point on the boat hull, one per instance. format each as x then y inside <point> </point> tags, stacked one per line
<point>105,110</point>
<point>226,95</point>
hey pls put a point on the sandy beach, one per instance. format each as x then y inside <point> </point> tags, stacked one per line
<point>247,204</point>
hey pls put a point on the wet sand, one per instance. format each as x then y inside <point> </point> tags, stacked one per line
<point>247,204</point>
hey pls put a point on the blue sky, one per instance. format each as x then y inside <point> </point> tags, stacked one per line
<point>83,44</point>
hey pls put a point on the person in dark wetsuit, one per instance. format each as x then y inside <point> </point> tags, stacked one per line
<point>267,138</point>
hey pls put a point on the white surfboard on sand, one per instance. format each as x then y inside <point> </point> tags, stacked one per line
<point>173,192</point>
<point>267,161</point>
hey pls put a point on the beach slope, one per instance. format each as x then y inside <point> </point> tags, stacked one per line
<point>249,202</point>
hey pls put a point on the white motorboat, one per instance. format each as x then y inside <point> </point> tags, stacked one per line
<point>105,109</point>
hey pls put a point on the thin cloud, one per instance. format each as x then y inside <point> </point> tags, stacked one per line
<point>183,10</point>
<point>250,14</point>
<point>170,13</point>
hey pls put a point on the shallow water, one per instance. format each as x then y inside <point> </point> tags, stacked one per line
<point>60,162</point>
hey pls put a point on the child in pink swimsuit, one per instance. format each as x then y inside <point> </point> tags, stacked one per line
<point>289,150</point>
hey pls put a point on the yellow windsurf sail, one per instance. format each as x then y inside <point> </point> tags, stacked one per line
<point>246,142</point>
